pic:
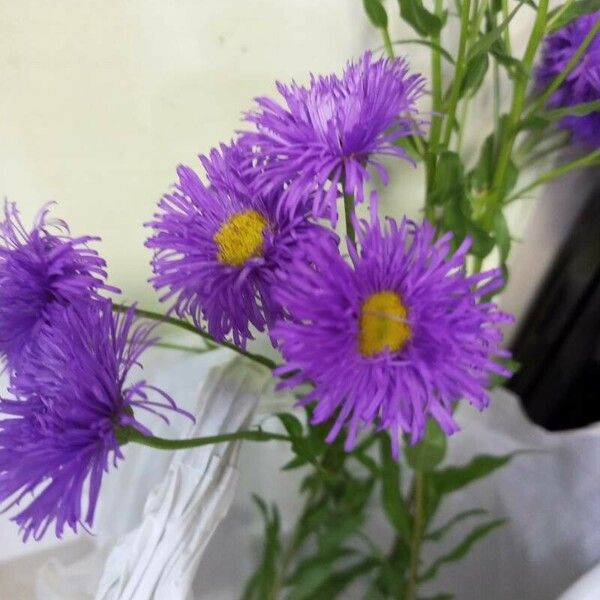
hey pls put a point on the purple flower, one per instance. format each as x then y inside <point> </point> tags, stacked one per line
<point>582,84</point>
<point>219,249</point>
<point>38,269</point>
<point>398,335</point>
<point>60,434</point>
<point>329,134</point>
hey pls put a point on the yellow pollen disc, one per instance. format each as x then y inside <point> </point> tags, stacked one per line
<point>240,237</point>
<point>383,324</point>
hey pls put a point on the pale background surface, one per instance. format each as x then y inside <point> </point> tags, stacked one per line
<point>101,99</point>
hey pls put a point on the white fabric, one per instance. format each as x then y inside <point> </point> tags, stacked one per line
<point>550,497</point>
<point>159,558</point>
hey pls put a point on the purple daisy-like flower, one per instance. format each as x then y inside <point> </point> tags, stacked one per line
<point>397,336</point>
<point>60,433</point>
<point>327,135</point>
<point>38,269</point>
<point>220,248</point>
<point>582,84</point>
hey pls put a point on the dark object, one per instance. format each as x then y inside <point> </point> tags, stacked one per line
<point>558,344</point>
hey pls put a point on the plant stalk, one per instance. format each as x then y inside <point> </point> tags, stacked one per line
<point>459,71</point>
<point>516,109</point>
<point>133,435</point>
<point>349,215</point>
<point>154,316</point>
<point>437,117</point>
<point>417,535</point>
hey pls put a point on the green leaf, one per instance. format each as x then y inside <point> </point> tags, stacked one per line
<point>474,75</point>
<point>431,45</point>
<point>558,18</point>
<point>483,242</point>
<point>484,43</point>
<point>534,122</point>
<point>392,500</point>
<point>502,236</point>
<point>480,178</point>
<point>312,572</point>
<point>419,18</point>
<point>449,178</point>
<point>451,479</point>
<point>511,178</point>
<point>291,423</point>
<point>339,580</point>
<point>578,110</point>
<point>463,548</point>
<point>376,13</point>
<point>260,584</point>
<point>501,54</point>
<point>430,451</point>
<point>339,531</point>
<point>438,534</point>
<point>295,463</point>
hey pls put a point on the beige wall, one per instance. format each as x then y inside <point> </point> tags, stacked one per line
<point>101,99</point>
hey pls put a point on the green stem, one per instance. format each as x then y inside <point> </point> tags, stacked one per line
<point>505,15</point>
<point>417,535</point>
<point>585,161</point>
<point>387,42</point>
<point>190,349</point>
<point>459,71</point>
<point>558,14</point>
<point>133,435</point>
<point>540,102</point>
<point>533,158</point>
<point>349,214</point>
<point>477,265</point>
<point>516,109</point>
<point>437,117</point>
<point>154,316</point>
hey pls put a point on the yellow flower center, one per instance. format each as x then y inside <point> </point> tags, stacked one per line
<point>383,324</point>
<point>240,237</point>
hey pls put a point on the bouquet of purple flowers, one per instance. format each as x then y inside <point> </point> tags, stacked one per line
<point>382,326</point>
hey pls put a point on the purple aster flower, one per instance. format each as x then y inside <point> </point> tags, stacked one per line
<point>219,249</point>
<point>396,336</point>
<point>582,84</point>
<point>329,134</point>
<point>61,433</point>
<point>40,268</point>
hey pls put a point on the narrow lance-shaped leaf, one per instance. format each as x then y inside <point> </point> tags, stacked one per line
<point>451,479</point>
<point>376,13</point>
<point>436,47</point>
<point>463,548</point>
<point>578,110</point>
<point>485,41</point>
<point>474,75</point>
<point>562,15</point>
<point>259,586</point>
<point>440,532</point>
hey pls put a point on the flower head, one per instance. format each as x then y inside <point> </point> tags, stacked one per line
<point>38,269</point>
<point>220,248</point>
<point>583,82</point>
<point>396,336</point>
<point>330,133</point>
<point>60,433</point>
